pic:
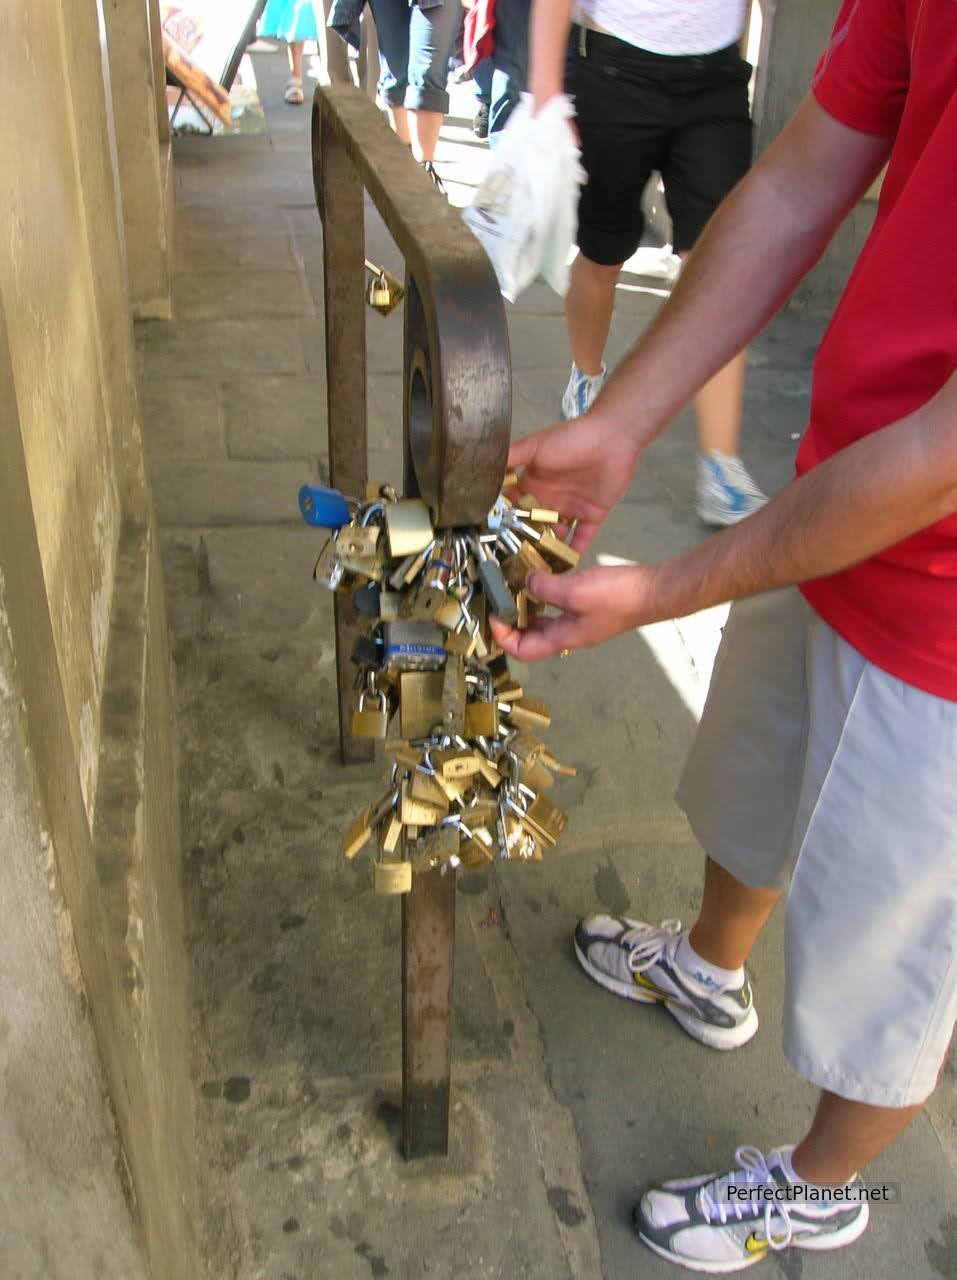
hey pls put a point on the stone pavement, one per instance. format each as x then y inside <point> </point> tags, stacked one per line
<point>565,1102</point>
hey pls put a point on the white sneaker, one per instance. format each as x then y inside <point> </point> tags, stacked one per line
<point>581,391</point>
<point>637,961</point>
<point>725,493</point>
<point>694,1221</point>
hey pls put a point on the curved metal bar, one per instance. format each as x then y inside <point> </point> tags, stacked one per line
<point>456,424</point>
<point>457,363</point>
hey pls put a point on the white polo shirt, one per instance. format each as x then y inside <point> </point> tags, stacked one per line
<point>667,26</point>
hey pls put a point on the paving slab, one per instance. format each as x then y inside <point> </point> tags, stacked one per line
<point>220,347</point>
<point>204,295</point>
<point>225,493</point>
<point>182,418</point>
<point>275,417</point>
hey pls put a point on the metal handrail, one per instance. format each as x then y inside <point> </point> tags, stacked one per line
<point>456,424</point>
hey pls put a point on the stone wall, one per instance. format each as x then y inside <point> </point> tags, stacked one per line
<point>97,1138</point>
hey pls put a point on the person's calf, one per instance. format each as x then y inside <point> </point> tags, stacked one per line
<point>732,915</point>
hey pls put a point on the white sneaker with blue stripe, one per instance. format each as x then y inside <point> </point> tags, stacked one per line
<point>725,493</point>
<point>640,962</point>
<point>581,391</point>
<point>720,1224</point>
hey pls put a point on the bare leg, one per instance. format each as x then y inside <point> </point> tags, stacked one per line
<point>731,917</point>
<point>718,404</point>
<point>424,127</point>
<point>588,309</point>
<point>295,57</point>
<point>718,408</point>
<point>399,119</point>
<point>845,1136</point>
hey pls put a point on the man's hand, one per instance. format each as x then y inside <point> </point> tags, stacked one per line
<point>580,468</point>
<point>596,604</point>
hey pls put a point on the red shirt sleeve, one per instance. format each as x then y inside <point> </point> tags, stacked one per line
<point>864,72</point>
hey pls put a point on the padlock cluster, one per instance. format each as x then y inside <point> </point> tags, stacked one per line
<point>469,772</point>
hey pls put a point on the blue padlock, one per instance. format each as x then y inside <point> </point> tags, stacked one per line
<point>325,508</point>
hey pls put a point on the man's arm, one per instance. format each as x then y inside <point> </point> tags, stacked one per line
<point>868,496</point>
<point>763,239</point>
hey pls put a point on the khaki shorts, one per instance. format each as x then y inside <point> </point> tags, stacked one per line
<point>815,767</point>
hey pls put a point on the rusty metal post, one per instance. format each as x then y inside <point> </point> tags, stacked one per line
<point>456,424</point>
<point>428,942</point>
<point>343,278</point>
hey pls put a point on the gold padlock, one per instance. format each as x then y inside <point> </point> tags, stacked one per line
<point>530,713</point>
<point>358,834</point>
<point>536,776</point>
<point>383,292</point>
<point>455,762</point>
<point>424,787</point>
<point>544,820</point>
<point>476,852</point>
<point>417,813</point>
<point>358,551</point>
<point>420,702</point>
<point>371,724</point>
<point>391,833</point>
<point>481,719</point>
<point>392,875</point>
<point>560,555</point>
<point>409,526</point>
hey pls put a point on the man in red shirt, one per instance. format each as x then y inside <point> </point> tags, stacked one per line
<point>827,753</point>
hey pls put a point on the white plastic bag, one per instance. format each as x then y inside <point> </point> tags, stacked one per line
<point>525,211</point>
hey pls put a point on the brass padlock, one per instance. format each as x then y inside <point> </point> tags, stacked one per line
<point>531,558</point>
<point>448,615</point>
<point>489,771</point>
<point>391,833</point>
<point>420,702</point>
<point>392,875</point>
<point>455,762</point>
<point>417,813</point>
<point>530,713</point>
<point>409,526</point>
<point>544,820</point>
<point>358,550</point>
<point>371,724</point>
<point>478,850</point>
<point>424,787</point>
<point>559,555</point>
<point>481,720</point>
<point>383,291</point>
<point>358,834</point>
<point>566,770</point>
<point>526,746</point>
<point>536,776</point>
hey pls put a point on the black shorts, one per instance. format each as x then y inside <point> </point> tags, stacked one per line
<point>637,112</point>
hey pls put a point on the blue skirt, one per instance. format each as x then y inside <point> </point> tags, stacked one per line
<point>289,20</point>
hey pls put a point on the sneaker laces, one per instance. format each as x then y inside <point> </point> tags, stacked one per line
<point>733,474</point>
<point>647,942</point>
<point>752,1171</point>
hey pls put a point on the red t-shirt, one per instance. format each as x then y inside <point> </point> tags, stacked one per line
<point>891,69</point>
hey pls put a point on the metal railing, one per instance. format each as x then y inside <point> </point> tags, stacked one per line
<point>456,424</point>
